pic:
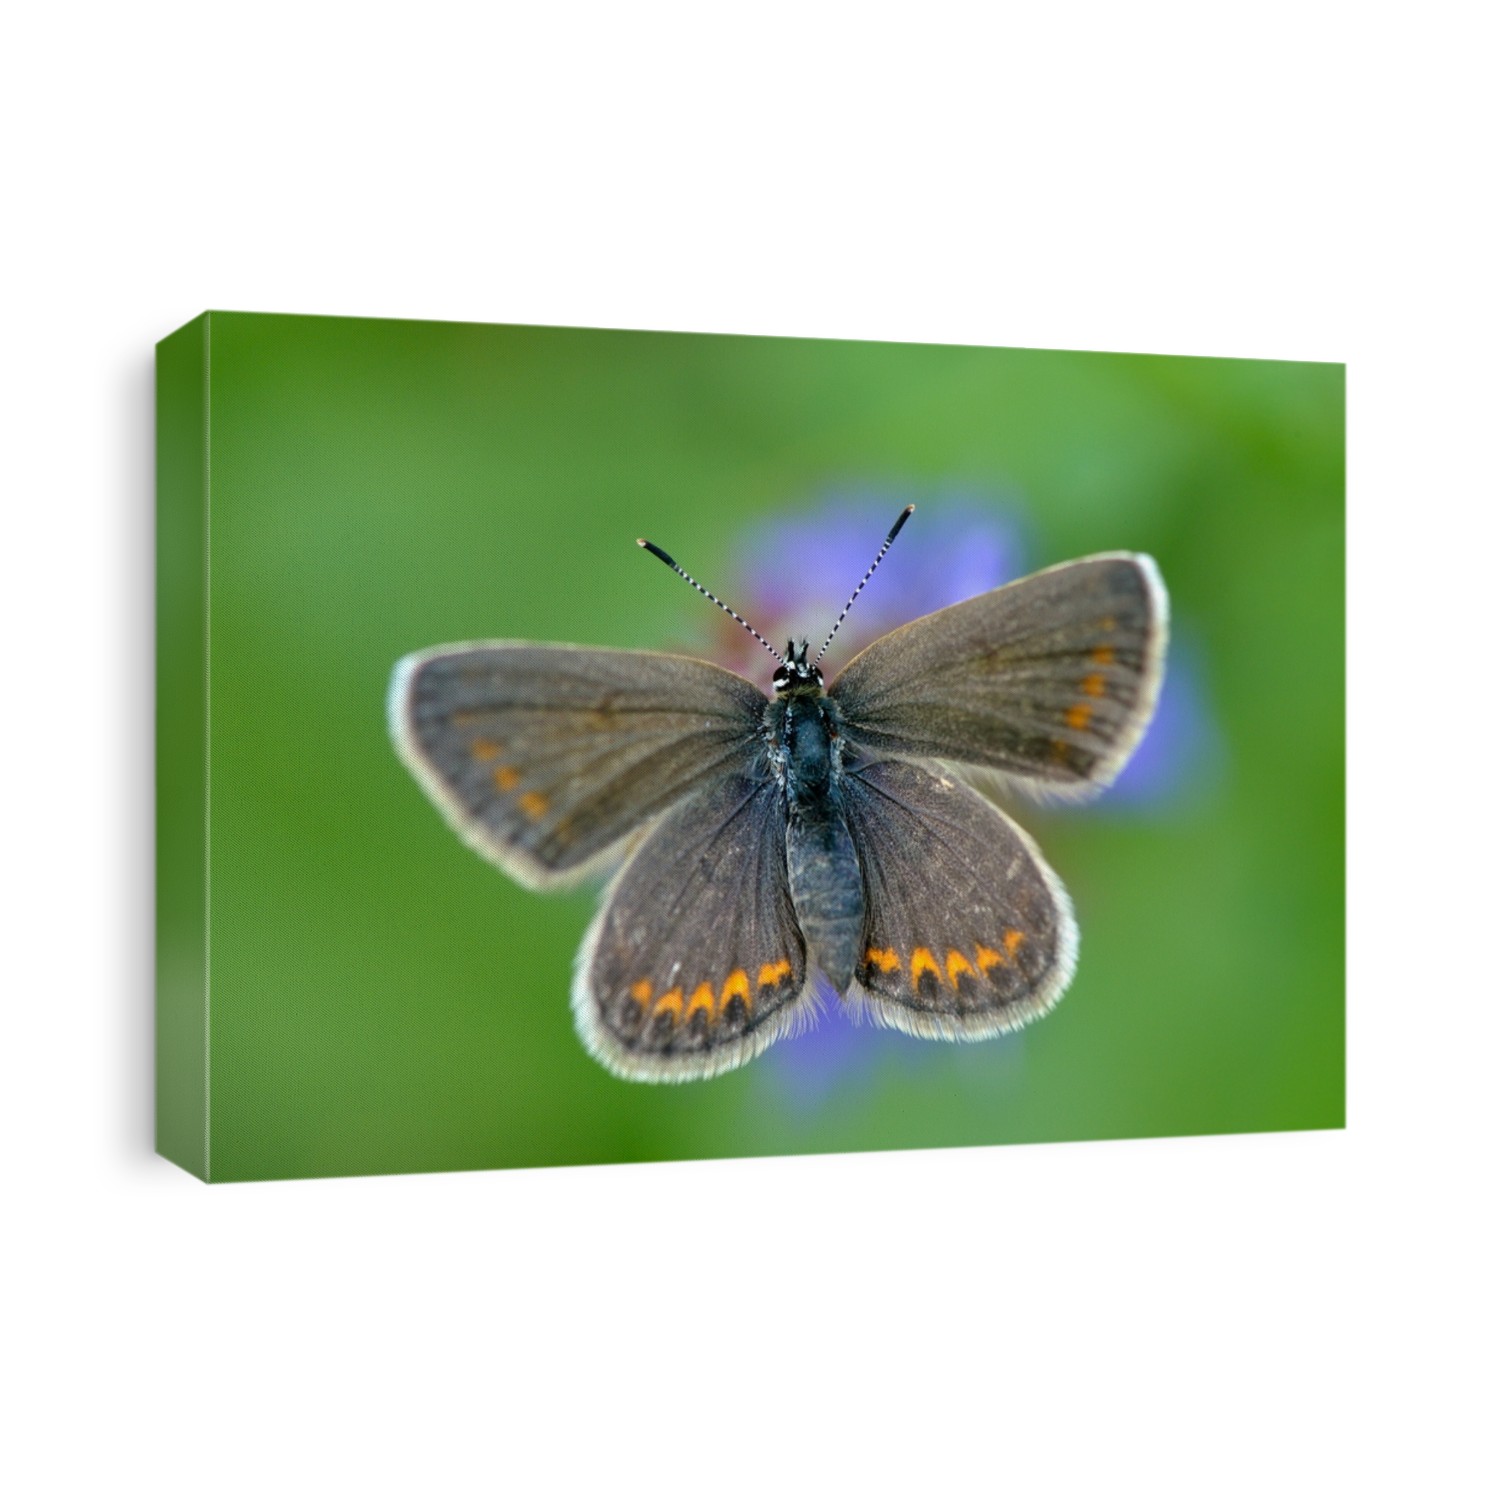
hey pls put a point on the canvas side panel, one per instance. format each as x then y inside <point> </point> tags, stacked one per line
<point>182,435</point>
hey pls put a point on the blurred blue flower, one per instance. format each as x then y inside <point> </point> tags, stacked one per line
<point>797,573</point>
<point>800,570</point>
<point>1182,751</point>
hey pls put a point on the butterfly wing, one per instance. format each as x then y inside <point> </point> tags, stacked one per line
<point>695,963</point>
<point>968,932</point>
<point>1049,681</point>
<point>546,758</point>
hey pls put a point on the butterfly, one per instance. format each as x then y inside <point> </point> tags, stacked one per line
<point>849,828</point>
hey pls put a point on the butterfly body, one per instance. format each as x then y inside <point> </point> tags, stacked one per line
<point>757,842</point>
<point>823,871</point>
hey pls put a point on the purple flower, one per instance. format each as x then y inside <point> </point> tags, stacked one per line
<point>802,569</point>
<point>1182,752</point>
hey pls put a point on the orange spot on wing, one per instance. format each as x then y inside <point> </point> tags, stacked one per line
<point>484,749</point>
<point>774,973</point>
<point>957,964</point>
<point>507,778</point>
<point>922,962</point>
<point>987,958</point>
<point>533,804</point>
<point>738,983</point>
<point>1013,940</point>
<point>1078,716</point>
<point>703,999</point>
<point>1093,684</point>
<point>1107,623</point>
<point>884,959</point>
<point>1102,656</point>
<point>671,1001</point>
<point>641,990</point>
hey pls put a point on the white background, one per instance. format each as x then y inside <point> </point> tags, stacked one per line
<point>1298,1315</point>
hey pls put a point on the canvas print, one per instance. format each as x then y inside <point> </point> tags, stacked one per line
<point>977,778</point>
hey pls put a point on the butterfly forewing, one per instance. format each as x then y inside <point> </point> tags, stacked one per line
<point>546,757</point>
<point>968,933</point>
<point>1049,681</point>
<point>695,962</point>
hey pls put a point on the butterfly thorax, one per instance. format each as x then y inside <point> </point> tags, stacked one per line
<point>806,756</point>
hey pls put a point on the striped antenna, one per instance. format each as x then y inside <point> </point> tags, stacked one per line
<point>656,551</point>
<point>885,547</point>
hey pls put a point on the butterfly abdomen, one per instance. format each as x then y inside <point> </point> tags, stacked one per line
<point>822,865</point>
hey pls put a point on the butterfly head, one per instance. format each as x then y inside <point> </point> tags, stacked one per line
<point>796,674</point>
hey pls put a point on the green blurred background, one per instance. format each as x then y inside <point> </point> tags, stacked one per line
<point>385,1001</point>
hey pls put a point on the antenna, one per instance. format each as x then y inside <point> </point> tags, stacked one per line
<point>656,551</point>
<point>885,547</point>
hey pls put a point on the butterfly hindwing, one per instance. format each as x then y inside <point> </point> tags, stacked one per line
<point>545,758</point>
<point>695,963</point>
<point>968,933</point>
<point>1049,681</point>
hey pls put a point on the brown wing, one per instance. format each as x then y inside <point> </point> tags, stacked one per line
<point>695,962</point>
<point>545,758</point>
<point>968,933</point>
<point>1049,681</point>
